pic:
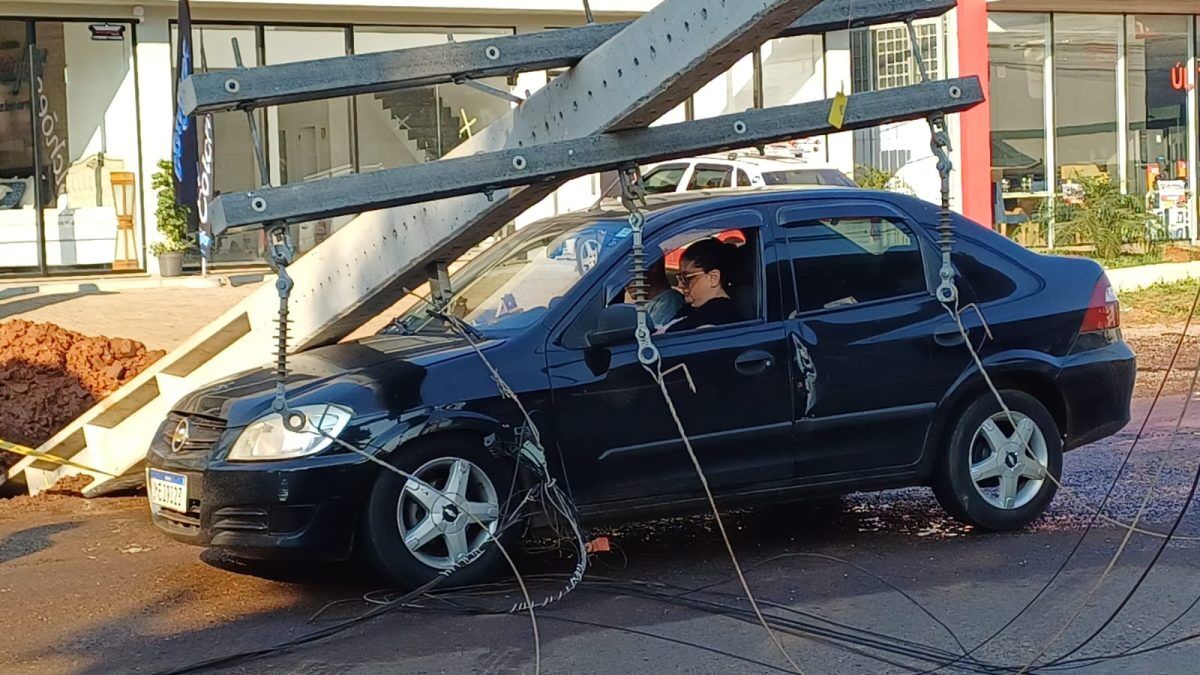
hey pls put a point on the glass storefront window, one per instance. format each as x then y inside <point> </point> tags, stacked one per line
<point>88,134</point>
<point>730,92</point>
<point>1156,58</point>
<point>310,140</point>
<point>1017,50</point>
<point>1085,95</point>
<point>411,126</point>
<point>882,58</point>
<point>793,71</point>
<point>18,210</point>
<point>234,167</point>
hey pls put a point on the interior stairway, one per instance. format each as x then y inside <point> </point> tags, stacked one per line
<point>419,113</point>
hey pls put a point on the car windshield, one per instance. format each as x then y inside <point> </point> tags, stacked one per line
<point>513,284</point>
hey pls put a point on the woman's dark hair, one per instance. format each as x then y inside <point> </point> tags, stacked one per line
<point>713,254</point>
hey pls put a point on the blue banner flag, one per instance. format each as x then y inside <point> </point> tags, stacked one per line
<point>184,146</point>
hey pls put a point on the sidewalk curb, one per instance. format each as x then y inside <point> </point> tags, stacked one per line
<point>100,285</point>
<point>1127,279</point>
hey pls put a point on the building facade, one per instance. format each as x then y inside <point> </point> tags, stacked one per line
<point>87,97</point>
<point>1081,92</point>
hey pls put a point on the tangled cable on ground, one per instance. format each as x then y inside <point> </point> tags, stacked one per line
<point>1130,528</point>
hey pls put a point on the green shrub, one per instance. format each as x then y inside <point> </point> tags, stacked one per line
<point>172,218</point>
<point>1108,220</point>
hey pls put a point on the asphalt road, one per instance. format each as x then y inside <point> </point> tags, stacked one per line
<point>90,586</point>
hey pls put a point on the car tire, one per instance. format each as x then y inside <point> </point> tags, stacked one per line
<point>397,509</point>
<point>992,477</point>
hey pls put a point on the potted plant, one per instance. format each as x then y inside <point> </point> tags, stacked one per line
<point>172,224</point>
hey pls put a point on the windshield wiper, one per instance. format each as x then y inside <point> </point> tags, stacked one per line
<point>398,326</point>
<point>455,322</point>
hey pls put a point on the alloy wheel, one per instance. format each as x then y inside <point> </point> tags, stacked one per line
<point>589,254</point>
<point>1008,460</point>
<point>441,529</point>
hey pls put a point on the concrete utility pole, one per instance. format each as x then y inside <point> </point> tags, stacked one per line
<point>625,82</point>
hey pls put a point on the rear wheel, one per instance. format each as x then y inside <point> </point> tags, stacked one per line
<point>412,532</point>
<point>1000,472</point>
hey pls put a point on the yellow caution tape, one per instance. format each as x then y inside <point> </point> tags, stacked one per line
<point>54,459</point>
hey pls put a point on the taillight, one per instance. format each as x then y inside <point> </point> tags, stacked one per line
<point>1104,309</point>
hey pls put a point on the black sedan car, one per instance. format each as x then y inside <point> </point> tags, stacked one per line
<point>835,370</point>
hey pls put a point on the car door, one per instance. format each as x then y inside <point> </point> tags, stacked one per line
<point>873,348</point>
<point>614,430</point>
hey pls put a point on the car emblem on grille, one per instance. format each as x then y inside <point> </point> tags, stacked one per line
<point>180,436</point>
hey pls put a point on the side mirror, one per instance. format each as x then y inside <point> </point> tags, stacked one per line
<point>617,324</point>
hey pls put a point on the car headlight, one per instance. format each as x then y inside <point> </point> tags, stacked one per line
<point>268,439</point>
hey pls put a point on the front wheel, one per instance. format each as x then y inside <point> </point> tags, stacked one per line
<point>1000,471</point>
<point>413,533</point>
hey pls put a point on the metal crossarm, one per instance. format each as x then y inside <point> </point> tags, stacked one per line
<point>571,158</point>
<point>391,70</point>
<point>456,61</point>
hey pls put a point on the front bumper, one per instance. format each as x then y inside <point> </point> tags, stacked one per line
<point>307,508</point>
<point>1097,388</point>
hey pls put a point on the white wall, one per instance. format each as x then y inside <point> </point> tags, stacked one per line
<point>730,92</point>
<point>380,138</point>
<point>100,92</point>
<point>154,62</point>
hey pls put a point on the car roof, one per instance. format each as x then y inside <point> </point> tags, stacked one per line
<point>768,163</point>
<point>674,203</point>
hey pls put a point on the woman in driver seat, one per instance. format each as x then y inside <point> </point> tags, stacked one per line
<point>703,278</point>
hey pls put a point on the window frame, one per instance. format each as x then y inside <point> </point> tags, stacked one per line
<point>788,217</point>
<point>615,278</point>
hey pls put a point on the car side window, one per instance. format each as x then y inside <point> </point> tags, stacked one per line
<point>663,179</point>
<point>708,176</point>
<point>742,179</point>
<point>664,259</point>
<point>839,262</point>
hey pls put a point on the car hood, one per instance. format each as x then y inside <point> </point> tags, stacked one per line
<point>372,375</point>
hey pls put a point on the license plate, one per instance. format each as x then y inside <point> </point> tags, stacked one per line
<point>168,490</point>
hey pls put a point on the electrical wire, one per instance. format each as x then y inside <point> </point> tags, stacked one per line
<point>1129,533</point>
<point>633,192</point>
<point>244,657</point>
<point>1174,526</point>
<point>664,638</point>
<point>657,374</point>
<point>323,633</point>
<point>864,642</point>
<point>862,570</point>
<point>550,491</point>
<point>956,315</point>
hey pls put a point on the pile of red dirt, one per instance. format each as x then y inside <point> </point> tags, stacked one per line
<point>49,376</point>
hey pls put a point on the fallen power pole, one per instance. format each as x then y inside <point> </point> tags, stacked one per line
<point>620,79</point>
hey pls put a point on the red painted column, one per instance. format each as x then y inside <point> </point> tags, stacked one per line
<point>976,123</point>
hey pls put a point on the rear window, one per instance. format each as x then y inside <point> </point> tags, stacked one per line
<point>847,261</point>
<point>806,177</point>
